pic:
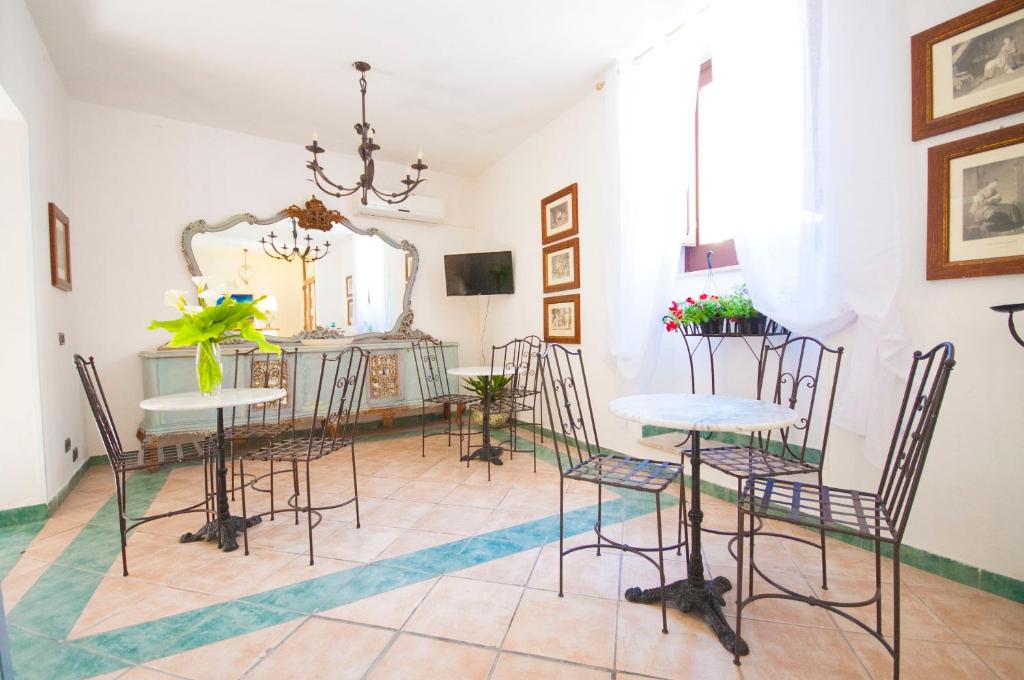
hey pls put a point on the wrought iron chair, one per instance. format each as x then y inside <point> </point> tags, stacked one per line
<point>789,373</point>
<point>121,461</point>
<point>258,423</point>
<point>334,423</point>
<point>878,516</point>
<point>436,389</point>
<point>581,458</point>
<point>521,357</point>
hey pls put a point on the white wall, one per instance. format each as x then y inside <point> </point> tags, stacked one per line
<point>47,402</point>
<point>140,179</point>
<point>969,490</point>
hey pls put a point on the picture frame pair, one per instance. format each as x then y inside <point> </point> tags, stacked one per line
<point>965,71</point>
<point>561,264</point>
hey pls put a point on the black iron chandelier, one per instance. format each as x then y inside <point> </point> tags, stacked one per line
<point>309,253</point>
<point>366,149</point>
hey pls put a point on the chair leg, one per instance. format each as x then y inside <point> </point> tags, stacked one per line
<point>599,527</point>
<point>295,488</point>
<point>271,489</point>
<point>739,579</point>
<point>750,564</point>
<point>896,611</point>
<point>561,531</point>
<point>245,515</point>
<point>878,586</point>
<point>123,530</point>
<point>448,410</point>
<point>309,512</point>
<point>683,534</point>
<point>231,452</point>
<point>423,430</point>
<point>661,565</point>
<point>355,482</point>
<point>824,564</point>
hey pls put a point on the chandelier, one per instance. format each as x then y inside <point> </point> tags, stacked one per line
<point>309,253</point>
<point>366,148</point>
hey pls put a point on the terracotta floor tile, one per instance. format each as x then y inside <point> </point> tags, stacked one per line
<point>424,491</point>
<point>417,658</point>
<point>143,673</point>
<point>1007,662</point>
<point>321,648</point>
<point>453,519</point>
<point>780,650</point>
<point>413,540</point>
<point>477,495</point>
<point>21,577</point>
<point>228,658</point>
<point>977,617</point>
<point>518,667</point>
<point>584,573</point>
<point>920,659</point>
<point>552,626</point>
<point>390,512</point>
<point>359,545</point>
<point>466,610</point>
<point>390,609</point>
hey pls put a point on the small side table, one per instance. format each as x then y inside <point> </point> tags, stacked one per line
<point>491,454</point>
<point>226,527</point>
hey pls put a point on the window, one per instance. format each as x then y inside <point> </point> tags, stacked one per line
<point>709,226</point>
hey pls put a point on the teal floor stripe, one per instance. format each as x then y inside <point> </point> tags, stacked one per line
<point>13,542</point>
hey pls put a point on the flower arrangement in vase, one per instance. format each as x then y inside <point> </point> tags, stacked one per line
<point>713,314</point>
<point>215,319</point>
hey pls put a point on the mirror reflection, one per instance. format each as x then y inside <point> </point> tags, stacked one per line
<point>356,287</point>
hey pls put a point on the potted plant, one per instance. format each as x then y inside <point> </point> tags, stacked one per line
<point>739,309</point>
<point>217,318</point>
<point>496,387</point>
<point>704,313</point>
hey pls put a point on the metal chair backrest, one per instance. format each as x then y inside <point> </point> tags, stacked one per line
<point>790,374</point>
<point>264,369</point>
<point>101,412</point>
<point>912,436</point>
<point>431,369</point>
<point>339,397</point>
<point>567,396</point>
<point>521,358</point>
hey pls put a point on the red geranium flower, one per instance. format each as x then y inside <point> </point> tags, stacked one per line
<point>671,326</point>
<point>690,300</point>
<point>703,296</point>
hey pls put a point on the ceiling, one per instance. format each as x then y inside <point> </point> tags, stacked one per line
<point>465,80</point>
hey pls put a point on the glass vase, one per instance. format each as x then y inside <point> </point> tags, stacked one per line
<point>209,368</point>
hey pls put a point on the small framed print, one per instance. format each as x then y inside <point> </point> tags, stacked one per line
<point>562,319</point>
<point>968,69</point>
<point>349,311</point>
<point>559,215</point>
<point>348,286</point>
<point>60,249</point>
<point>562,266</point>
<point>976,206</point>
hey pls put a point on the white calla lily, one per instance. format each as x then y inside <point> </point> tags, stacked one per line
<point>175,298</point>
<point>192,309</point>
<point>210,296</point>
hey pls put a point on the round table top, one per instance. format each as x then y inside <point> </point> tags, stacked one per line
<point>705,412</point>
<point>194,401</point>
<point>476,371</point>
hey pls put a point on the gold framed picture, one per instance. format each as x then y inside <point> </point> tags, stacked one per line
<point>562,266</point>
<point>60,249</point>
<point>350,311</point>
<point>559,215</point>
<point>562,319</point>
<point>348,285</point>
<point>968,69</point>
<point>976,205</point>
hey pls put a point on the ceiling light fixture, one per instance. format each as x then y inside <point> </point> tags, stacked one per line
<point>366,148</point>
<point>310,253</point>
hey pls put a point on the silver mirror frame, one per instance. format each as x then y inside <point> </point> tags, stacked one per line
<point>315,216</point>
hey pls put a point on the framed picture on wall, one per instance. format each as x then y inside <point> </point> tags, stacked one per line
<point>562,266</point>
<point>349,309</point>
<point>976,205</point>
<point>968,69</point>
<point>348,286</point>
<point>562,319</point>
<point>60,249</point>
<point>559,215</point>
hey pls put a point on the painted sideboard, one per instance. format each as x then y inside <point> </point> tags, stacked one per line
<point>391,386</point>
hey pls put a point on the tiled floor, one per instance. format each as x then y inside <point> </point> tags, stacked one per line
<point>450,576</point>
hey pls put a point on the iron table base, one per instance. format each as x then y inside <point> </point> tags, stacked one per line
<point>224,532</point>
<point>705,599</point>
<point>488,452</point>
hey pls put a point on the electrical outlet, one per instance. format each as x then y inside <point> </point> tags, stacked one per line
<point>74,454</point>
<point>67,444</point>
<point>60,339</point>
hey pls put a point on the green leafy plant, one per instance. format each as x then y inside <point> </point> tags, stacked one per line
<point>738,304</point>
<point>215,319</point>
<point>496,385</point>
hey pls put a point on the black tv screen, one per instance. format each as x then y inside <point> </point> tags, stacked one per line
<point>479,273</point>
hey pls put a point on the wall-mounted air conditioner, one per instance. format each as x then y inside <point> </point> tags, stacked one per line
<point>413,209</point>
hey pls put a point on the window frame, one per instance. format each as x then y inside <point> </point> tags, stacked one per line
<point>695,257</point>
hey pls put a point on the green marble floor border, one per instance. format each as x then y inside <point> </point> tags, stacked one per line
<point>41,621</point>
<point>975,577</point>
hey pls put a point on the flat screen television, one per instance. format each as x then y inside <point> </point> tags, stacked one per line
<point>479,273</point>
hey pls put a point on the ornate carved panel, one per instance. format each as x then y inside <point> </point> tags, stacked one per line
<point>385,380</point>
<point>271,373</point>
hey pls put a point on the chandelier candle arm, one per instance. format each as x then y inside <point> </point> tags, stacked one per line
<point>365,149</point>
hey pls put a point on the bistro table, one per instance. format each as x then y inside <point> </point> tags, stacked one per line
<point>225,527</point>
<point>700,413</point>
<point>491,454</point>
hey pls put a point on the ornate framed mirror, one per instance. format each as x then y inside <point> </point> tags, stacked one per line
<point>320,282</point>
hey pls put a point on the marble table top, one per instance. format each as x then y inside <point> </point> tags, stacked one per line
<point>705,412</point>
<point>476,371</point>
<point>194,401</point>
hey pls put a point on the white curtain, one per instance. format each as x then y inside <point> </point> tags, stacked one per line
<point>650,105</point>
<point>817,215</point>
<point>369,283</point>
